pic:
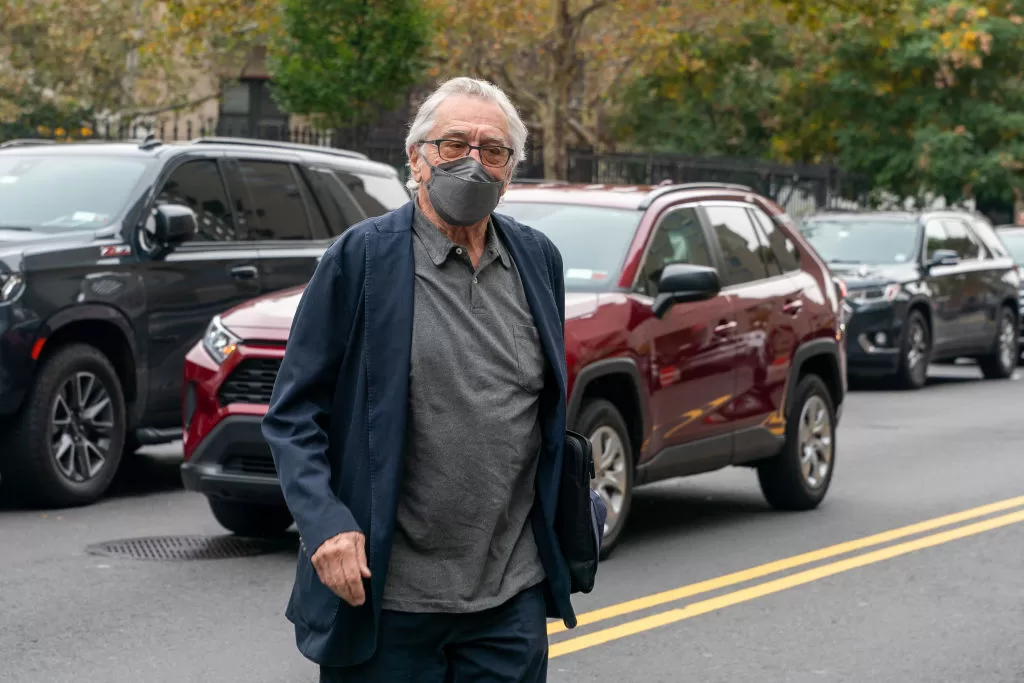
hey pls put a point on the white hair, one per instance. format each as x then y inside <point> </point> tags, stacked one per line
<point>472,87</point>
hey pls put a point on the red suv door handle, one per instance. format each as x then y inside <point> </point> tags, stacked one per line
<point>793,307</point>
<point>724,328</point>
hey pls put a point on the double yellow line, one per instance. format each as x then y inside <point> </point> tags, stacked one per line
<point>694,609</point>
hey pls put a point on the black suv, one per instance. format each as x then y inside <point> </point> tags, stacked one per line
<point>1013,237</point>
<point>921,287</point>
<point>113,259</point>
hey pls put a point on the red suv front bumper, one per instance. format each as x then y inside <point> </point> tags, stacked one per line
<point>226,456</point>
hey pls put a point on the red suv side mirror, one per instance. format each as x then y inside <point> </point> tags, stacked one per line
<point>684,283</point>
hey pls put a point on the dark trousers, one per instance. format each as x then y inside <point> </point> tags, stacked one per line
<point>506,644</point>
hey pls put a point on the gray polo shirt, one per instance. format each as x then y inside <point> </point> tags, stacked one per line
<point>463,541</point>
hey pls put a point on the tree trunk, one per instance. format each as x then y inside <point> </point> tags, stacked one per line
<point>553,137</point>
<point>556,106</point>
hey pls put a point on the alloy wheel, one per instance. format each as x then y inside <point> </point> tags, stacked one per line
<point>610,472</point>
<point>1007,337</point>
<point>81,427</point>
<point>816,442</point>
<point>917,349</point>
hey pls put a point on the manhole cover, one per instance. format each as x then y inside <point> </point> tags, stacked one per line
<point>177,548</point>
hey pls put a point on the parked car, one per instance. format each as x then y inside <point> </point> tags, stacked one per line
<point>922,287</point>
<point>113,259</point>
<point>701,332</point>
<point>1013,237</point>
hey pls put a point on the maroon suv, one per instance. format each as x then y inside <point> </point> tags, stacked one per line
<point>701,331</point>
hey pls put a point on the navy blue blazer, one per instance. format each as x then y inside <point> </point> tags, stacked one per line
<point>336,421</point>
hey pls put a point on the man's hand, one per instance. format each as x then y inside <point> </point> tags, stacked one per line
<point>341,565</point>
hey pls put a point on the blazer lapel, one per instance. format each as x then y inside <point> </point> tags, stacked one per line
<point>388,332</point>
<point>532,266</point>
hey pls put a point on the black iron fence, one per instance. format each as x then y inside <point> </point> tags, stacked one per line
<point>800,189</point>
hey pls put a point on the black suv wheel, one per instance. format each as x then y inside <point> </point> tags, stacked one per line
<point>915,353</point>
<point>67,441</point>
<point>798,478</point>
<point>1002,360</point>
<point>251,519</point>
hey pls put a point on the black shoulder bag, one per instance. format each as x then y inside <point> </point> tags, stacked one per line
<point>581,513</point>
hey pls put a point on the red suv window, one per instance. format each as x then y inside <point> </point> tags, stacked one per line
<point>741,247</point>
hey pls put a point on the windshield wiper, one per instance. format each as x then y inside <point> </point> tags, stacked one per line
<point>18,228</point>
<point>840,261</point>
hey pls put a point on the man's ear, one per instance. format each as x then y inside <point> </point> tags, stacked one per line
<point>414,164</point>
<point>508,181</point>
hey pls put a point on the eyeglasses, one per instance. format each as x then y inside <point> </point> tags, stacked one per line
<point>496,156</point>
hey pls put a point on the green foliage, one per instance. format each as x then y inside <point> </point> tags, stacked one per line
<point>47,120</point>
<point>55,60</point>
<point>922,96</point>
<point>342,61</point>
<point>711,96</point>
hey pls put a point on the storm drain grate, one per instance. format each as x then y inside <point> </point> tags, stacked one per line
<point>183,548</point>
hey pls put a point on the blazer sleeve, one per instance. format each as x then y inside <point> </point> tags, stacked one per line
<point>557,272</point>
<point>297,422</point>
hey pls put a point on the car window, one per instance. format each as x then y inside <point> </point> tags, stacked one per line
<point>316,212</point>
<point>961,240</point>
<point>69,192</point>
<point>782,249</point>
<point>986,234</point>
<point>741,248</point>
<point>593,240</point>
<point>771,264</point>
<point>199,186</point>
<point>277,201</point>
<point>935,238</point>
<point>375,195</point>
<point>864,239</point>
<point>1014,241</point>
<point>678,238</point>
<point>339,206</point>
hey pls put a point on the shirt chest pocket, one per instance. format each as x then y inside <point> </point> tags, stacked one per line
<point>529,357</point>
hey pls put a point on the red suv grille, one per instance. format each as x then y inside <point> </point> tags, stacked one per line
<point>251,382</point>
<point>251,464</point>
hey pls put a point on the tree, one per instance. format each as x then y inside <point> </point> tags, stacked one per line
<point>924,97</point>
<point>57,64</point>
<point>212,39</point>
<point>343,60</point>
<point>934,106</point>
<point>562,61</point>
<point>713,93</point>
<point>116,59</point>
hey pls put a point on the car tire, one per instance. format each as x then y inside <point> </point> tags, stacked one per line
<point>66,444</point>
<point>1001,361</point>
<point>601,422</point>
<point>799,476</point>
<point>252,520</point>
<point>915,352</point>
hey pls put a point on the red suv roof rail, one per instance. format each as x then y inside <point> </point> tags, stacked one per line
<point>668,189</point>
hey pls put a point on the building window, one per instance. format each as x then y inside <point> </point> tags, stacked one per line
<point>247,109</point>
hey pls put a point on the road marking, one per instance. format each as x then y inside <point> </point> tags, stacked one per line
<point>746,594</point>
<point>742,576</point>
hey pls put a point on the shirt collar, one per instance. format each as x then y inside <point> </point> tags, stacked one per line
<point>494,242</point>
<point>439,246</point>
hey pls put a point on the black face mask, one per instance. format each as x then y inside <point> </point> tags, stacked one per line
<point>462,192</point>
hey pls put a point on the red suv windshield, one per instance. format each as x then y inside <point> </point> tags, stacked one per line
<point>593,240</point>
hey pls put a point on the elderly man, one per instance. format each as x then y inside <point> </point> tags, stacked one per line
<point>418,420</point>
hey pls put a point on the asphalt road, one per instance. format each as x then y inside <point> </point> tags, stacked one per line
<point>710,585</point>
